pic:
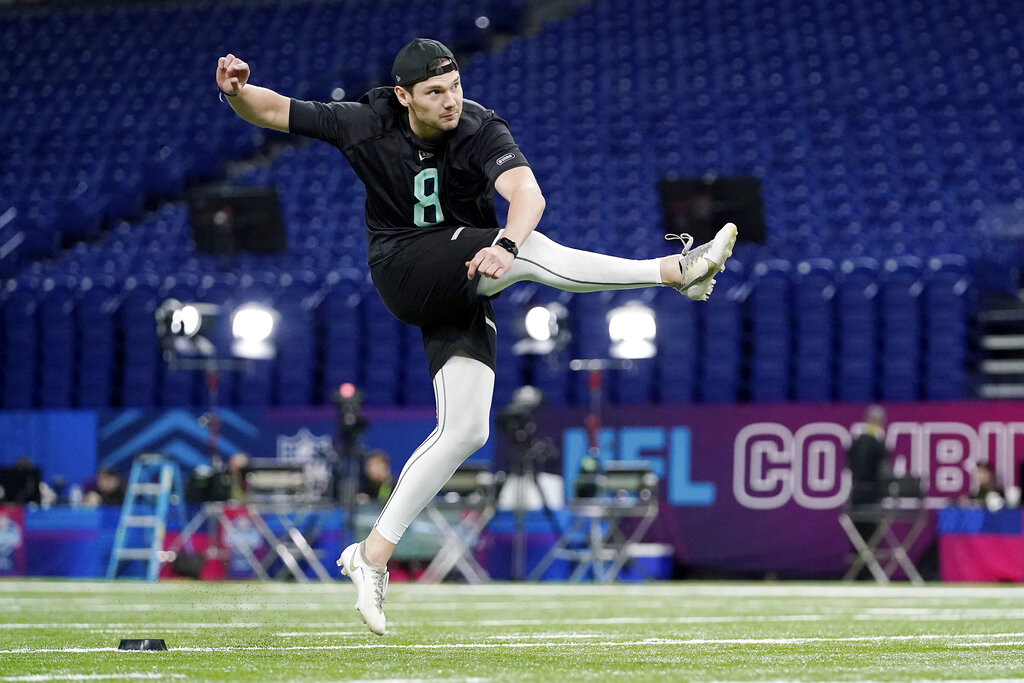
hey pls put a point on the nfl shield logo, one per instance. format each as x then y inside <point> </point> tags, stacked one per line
<point>304,446</point>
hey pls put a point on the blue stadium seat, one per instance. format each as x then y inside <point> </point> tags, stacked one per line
<point>870,153</point>
<point>770,330</point>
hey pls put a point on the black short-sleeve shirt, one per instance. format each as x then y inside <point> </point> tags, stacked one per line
<point>413,185</point>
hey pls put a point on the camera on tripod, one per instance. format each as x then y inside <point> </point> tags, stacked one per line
<point>516,419</point>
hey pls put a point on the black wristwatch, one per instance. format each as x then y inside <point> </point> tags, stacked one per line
<point>508,245</point>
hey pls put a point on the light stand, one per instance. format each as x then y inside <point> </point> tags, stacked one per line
<point>517,422</point>
<point>350,427</point>
<point>595,367</point>
<point>197,336</point>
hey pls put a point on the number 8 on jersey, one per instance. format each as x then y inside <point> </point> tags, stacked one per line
<point>427,176</point>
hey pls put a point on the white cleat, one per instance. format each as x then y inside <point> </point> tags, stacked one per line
<point>371,585</point>
<point>699,267</point>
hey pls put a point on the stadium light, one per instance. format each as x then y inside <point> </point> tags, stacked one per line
<point>184,329</point>
<point>205,331</point>
<point>186,320</point>
<point>541,324</point>
<point>543,330</point>
<point>252,327</point>
<point>632,329</point>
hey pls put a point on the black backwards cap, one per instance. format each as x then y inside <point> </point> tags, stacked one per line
<point>410,65</point>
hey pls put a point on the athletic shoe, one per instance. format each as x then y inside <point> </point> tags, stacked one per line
<point>371,585</point>
<point>699,267</point>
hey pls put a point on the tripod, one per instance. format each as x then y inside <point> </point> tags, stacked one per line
<point>350,425</point>
<point>517,422</point>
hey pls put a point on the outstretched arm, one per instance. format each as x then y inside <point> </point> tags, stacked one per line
<point>525,208</point>
<point>260,106</point>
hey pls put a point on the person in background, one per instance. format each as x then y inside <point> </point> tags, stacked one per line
<point>868,459</point>
<point>237,465</point>
<point>107,489</point>
<point>20,483</point>
<point>377,481</point>
<point>985,488</point>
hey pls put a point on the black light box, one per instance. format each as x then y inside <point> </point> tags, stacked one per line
<point>228,220</point>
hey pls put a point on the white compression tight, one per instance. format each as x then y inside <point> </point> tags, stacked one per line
<point>463,388</point>
<point>543,260</point>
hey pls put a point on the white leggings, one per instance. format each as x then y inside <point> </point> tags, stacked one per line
<point>543,260</point>
<point>463,387</point>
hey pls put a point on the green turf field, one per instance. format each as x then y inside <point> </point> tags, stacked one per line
<point>63,630</point>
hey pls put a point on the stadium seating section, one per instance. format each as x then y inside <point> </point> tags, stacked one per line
<point>888,136</point>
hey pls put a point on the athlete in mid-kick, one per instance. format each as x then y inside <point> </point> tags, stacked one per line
<point>431,162</point>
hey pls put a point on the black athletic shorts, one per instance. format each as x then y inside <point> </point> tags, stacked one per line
<point>425,285</point>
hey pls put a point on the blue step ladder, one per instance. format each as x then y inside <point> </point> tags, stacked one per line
<point>154,487</point>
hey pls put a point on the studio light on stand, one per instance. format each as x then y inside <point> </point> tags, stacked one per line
<point>184,329</point>
<point>212,338</point>
<point>543,330</point>
<point>201,336</point>
<point>252,327</point>
<point>632,330</point>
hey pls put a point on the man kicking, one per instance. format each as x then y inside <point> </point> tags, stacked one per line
<point>431,162</point>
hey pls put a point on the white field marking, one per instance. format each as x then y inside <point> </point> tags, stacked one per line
<point>114,625</point>
<point>559,605</point>
<point>1001,643</point>
<point>939,615</point>
<point>952,638</point>
<point>255,606</point>
<point>92,677</point>
<point>325,629</point>
<point>595,621</point>
<point>663,591</point>
<point>58,605</point>
<point>916,680</point>
<point>931,611</point>
<point>640,620</point>
<point>307,634</point>
<point>118,628</point>
<point>568,592</point>
<point>555,636</point>
<point>139,586</point>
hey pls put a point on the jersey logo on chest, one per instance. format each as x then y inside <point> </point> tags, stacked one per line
<point>425,155</point>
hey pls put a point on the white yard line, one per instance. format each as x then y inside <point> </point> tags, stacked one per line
<point>569,592</point>
<point>91,677</point>
<point>325,629</point>
<point>955,640</point>
<point>134,625</point>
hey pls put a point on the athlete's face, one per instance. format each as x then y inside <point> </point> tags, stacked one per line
<point>435,105</point>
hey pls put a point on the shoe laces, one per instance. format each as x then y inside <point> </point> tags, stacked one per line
<point>683,237</point>
<point>688,257</point>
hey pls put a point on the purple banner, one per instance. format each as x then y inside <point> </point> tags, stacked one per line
<point>758,488</point>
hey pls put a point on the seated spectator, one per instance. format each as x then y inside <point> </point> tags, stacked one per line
<point>376,481</point>
<point>19,484</point>
<point>237,465</point>
<point>985,489</point>
<point>107,489</point>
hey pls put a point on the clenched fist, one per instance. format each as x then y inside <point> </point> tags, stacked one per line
<point>232,74</point>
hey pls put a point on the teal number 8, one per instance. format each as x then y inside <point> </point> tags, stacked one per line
<point>420,190</point>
